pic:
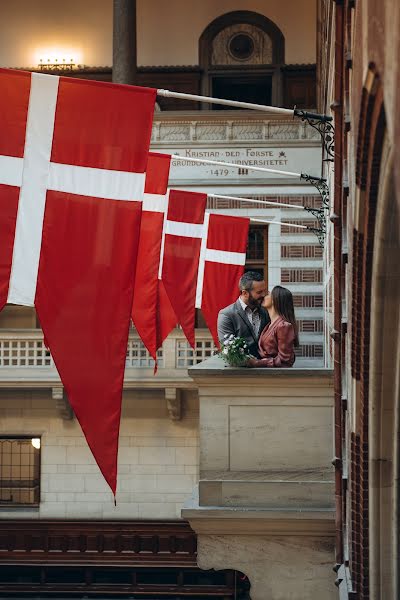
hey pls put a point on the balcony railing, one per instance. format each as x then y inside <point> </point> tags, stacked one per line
<point>26,349</point>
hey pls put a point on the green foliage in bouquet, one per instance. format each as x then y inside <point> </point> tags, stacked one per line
<point>234,351</point>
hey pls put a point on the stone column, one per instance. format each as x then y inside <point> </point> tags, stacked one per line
<point>124,41</point>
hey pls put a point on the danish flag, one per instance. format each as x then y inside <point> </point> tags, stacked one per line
<point>222,259</point>
<point>73,156</point>
<point>152,312</point>
<point>179,261</point>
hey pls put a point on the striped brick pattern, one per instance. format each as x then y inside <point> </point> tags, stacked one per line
<point>301,251</point>
<point>310,351</point>
<point>301,275</point>
<point>311,325</point>
<point>308,300</point>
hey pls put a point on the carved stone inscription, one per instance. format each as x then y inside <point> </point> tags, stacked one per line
<point>288,159</point>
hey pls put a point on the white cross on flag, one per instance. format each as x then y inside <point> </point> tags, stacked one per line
<point>222,259</point>
<point>73,156</point>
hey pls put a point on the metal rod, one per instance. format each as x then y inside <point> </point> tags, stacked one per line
<point>277,223</point>
<point>236,165</point>
<point>249,105</point>
<point>279,204</point>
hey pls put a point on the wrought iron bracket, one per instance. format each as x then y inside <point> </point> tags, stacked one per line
<point>320,233</point>
<point>319,214</point>
<point>323,124</point>
<point>321,185</point>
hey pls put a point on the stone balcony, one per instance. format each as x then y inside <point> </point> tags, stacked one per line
<point>265,500</point>
<point>26,362</point>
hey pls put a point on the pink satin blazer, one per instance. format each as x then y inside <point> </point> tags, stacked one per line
<point>276,345</point>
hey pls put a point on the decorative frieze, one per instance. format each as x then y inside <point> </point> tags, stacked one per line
<point>228,130</point>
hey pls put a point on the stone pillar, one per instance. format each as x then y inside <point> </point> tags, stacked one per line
<point>124,41</point>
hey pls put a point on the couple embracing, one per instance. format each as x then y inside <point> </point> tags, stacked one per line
<point>265,320</point>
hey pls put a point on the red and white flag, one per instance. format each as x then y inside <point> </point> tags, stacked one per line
<point>222,259</point>
<point>152,313</point>
<point>183,231</point>
<point>73,154</point>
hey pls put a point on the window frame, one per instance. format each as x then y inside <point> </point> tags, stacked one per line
<point>36,488</point>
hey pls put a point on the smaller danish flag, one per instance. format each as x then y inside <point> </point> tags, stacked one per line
<point>222,259</point>
<point>179,261</point>
<point>152,313</point>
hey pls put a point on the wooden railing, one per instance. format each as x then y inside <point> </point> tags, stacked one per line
<point>155,559</point>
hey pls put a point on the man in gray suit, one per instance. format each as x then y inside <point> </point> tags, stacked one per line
<point>246,317</point>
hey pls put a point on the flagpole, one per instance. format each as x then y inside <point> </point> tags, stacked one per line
<point>319,232</point>
<point>236,165</point>
<point>277,204</point>
<point>321,123</point>
<point>278,223</point>
<point>209,100</point>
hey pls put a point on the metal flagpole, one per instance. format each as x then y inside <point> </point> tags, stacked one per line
<point>321,123</point>
<point>319,232</point>
<point>236,165</point>
<point>278,223</point>
<point>316,212</point>
<point>318,182</point>
<point>278,204</point>
<point>236,103</point>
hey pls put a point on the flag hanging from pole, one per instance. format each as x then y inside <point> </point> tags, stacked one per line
<point>152,313</point>
<point>183,230</point>
<point>222,259</point>
<point>73,155</point>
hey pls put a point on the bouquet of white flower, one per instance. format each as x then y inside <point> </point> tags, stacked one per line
<point>234,351</point>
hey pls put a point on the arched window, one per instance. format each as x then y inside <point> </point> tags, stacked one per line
<point>241,54</point>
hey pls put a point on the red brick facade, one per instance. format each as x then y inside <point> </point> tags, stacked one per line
<point>358,32</point>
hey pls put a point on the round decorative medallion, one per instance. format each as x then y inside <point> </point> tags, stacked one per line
<point>241,46</point>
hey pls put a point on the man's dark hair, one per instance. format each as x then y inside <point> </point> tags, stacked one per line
<point>246,280</point>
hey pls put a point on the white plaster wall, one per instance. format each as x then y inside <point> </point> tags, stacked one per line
<point>31,28</point>
<point>167,32</point>
<point>157,462</point>
<point>179,23</point>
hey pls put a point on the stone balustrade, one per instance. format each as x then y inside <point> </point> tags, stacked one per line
<point>25,358</point>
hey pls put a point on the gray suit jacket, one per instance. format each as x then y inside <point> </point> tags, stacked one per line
<point>233,319</point>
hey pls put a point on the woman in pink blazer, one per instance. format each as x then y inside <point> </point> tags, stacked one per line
<point>279,337</point>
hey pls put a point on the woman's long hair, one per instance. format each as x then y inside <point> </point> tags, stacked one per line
<point>283,304</point>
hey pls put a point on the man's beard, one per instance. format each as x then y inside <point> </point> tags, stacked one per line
<point>253,303</point>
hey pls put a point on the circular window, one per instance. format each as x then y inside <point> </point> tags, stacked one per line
<point>241,46</point>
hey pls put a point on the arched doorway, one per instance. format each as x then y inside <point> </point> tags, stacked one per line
<point>241,54</point>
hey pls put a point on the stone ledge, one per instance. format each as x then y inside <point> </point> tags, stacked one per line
<point>215,366</point>
<point>267,494</point>
<point>48,377</point>
<point>215,520</point>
